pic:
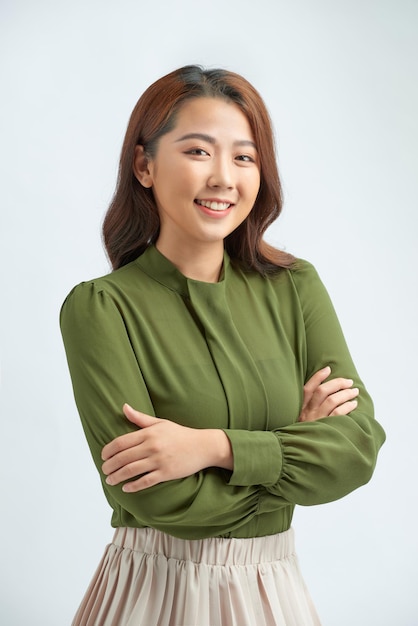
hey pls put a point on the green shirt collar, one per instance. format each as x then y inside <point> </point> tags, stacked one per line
<point>158,267</point>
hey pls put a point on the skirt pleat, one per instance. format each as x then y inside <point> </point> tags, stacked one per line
<point>148,578</point>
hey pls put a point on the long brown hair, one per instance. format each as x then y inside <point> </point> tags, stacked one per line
<point>132,223</point>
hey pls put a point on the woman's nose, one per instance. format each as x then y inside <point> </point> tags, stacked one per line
<point>221,175</point>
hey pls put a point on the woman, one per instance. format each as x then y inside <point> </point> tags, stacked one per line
<point>210,372</point>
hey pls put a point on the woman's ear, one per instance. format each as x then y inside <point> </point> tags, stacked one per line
<point>140,167</point>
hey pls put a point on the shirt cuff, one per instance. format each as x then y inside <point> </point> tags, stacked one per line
<point>258,457</point>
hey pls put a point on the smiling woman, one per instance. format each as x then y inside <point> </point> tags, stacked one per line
<point>210,372</point>
<point>132,222</point>
<point>203,183</point>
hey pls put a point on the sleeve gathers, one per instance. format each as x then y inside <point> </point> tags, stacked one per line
<point>310,463</point>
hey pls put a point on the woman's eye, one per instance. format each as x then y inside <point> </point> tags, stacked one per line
<point>198,152</point>
<point>246,158</point>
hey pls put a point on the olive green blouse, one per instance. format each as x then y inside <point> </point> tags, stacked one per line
<point>232,355</point>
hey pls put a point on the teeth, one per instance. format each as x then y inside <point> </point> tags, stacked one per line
<point>215,206</point>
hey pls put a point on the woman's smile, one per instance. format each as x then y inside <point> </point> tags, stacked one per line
<point>215,208</point>
<point>215,205</point>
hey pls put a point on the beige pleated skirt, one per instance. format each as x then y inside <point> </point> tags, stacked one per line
<point>148,578</point>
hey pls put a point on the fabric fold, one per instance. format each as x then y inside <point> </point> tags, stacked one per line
<point>149,578</point>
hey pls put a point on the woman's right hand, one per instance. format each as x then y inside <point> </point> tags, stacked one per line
<point>323,399</point>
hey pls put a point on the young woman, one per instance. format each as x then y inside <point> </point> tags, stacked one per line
<point>210,372</point>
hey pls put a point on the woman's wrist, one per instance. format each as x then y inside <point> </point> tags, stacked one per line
<point>218,448</point>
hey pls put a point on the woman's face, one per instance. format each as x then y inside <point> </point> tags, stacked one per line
<point>205,175</point>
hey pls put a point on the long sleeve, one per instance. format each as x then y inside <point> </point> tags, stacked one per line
<point>313,462</point>
<point>106,373</point>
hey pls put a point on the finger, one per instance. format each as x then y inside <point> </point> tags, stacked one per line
<point>327,389</point>
<point>338,399</point>
<point>313,383</point>
<point>144,482</point>
<point>126,457</point>
<point>124,442</point>
<point>136,417</point>
<point>133,470</point>
<point>345,409</point>
<point>130,439</point>
<point>317,379</point>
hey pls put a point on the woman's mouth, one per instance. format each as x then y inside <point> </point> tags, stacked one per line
<point>214,206</point>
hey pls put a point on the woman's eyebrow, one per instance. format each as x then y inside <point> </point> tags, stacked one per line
<point>201,136</point>
<point>212,140</point>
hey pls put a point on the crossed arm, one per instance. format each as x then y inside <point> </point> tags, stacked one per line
<point>162,450</point>
<point>308,462</point>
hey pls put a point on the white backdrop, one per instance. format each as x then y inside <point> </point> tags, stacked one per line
<point>340,80</point>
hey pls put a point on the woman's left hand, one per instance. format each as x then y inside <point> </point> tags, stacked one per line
<point>162,450</point>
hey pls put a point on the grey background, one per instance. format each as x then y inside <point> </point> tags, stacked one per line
<point>340,81</point>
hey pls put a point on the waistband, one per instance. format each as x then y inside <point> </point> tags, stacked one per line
<point>212,551</point>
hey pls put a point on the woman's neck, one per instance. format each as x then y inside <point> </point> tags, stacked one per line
<point>200,262</point>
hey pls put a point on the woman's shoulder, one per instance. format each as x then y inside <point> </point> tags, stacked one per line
<point>303,271</point>
<point>92,294</point>
<point>300,270</point>
<point>301,280</point>
<point>113,280</point>
<point>301,266</point>
<point>303,275</point>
